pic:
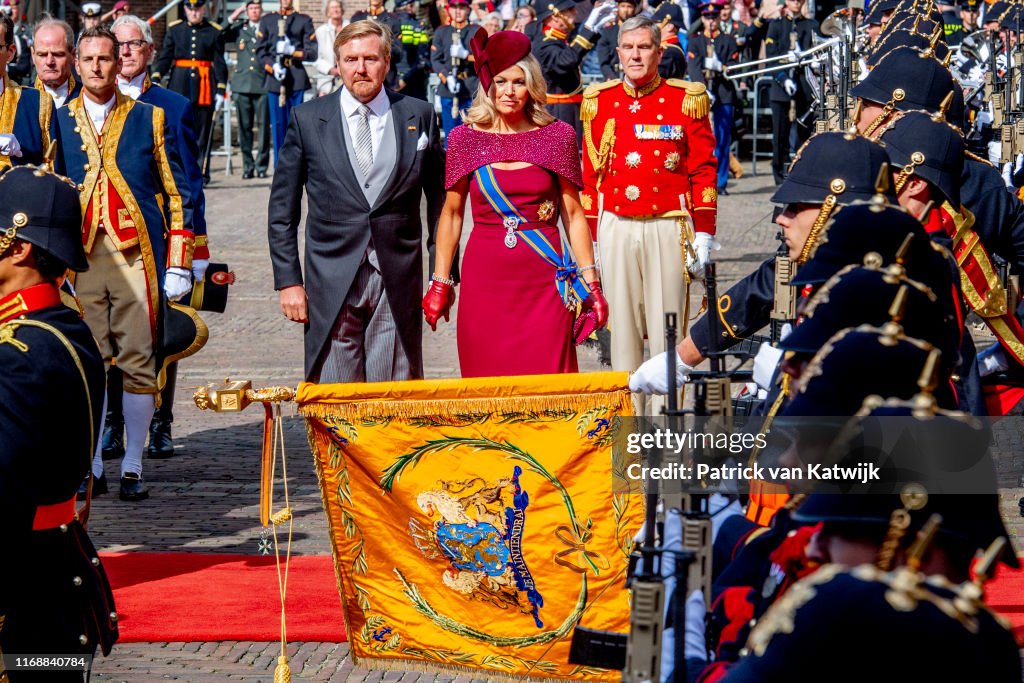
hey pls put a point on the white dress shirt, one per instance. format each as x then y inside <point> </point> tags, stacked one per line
<point>132,88</point>
<point>379,107</point>
<point>59,95</point>
<point>98,112</point>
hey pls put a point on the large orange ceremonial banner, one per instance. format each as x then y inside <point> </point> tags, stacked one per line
<point>475,523</point>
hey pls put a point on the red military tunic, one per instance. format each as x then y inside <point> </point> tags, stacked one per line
<point>649,152</point>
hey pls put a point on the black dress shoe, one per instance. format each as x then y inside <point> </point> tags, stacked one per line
<point>206,182</point>
<point>246,175</point>
<point>261,174</point>
<point>133,488</point>
<point>99,487</point>
<point>723,191</point>
<point>113,440</point>
<point>160,443</point>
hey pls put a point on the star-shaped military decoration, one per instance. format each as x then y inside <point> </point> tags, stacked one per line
<point>265,546</point>
<point>635,107</point>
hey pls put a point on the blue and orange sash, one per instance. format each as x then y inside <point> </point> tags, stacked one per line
<point>571,287</point>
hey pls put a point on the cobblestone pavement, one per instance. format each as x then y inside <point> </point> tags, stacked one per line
<point>205,498</point>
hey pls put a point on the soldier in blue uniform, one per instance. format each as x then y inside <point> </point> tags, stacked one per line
<point>673,62</point>
<point>708,53</point>
<point>192,59</point>
<point>286,39</point>
<point>449,58</point>
<point>607,55</point>
<point>56,598</point>
<point>31,127</point>
<point>560,57</point>
<point>830,171</point>
<point>791,95</point>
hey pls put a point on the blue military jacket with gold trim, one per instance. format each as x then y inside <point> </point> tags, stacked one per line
<point>136,155</point>
<point>29,116</point>
<point>179,117</point>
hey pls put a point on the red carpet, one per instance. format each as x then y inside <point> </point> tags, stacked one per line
<point>1005,595</point>
<point>189,597</point>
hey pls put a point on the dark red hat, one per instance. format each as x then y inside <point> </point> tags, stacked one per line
<point>496,53</point>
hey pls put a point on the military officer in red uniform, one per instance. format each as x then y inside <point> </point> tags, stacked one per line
<point>650,190</point>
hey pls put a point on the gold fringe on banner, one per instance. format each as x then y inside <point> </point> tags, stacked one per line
<point>476,522</point>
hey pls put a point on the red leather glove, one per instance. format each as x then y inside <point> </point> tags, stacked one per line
<point>597,303</point>
<point>438,302</point>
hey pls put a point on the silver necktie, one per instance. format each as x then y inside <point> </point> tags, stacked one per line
<point>363,140</point>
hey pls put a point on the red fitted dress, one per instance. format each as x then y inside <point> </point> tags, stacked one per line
<point>511,318</point>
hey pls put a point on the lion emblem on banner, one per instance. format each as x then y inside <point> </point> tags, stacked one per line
<point>476,528</point>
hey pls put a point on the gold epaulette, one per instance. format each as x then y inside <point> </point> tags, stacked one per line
<point>697,104</point>
<point>971,155</point>
<point>588,110</point>
<point>174,23</point>
<point>216,25</point>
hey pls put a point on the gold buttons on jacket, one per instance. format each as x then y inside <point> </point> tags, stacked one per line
<point>77,580</point>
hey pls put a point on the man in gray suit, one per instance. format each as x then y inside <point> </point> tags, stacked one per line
<point>365,155</point>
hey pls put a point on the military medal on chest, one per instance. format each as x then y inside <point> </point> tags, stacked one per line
<point>511,223</point>
<point>635,107</point>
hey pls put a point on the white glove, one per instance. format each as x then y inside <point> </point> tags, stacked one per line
<point>789,86</point>
<point>992,360</point>
<point>995,151</point>
<point>792,57</point>
<point>199,267</point>
<point>458,51</point>
<point>218,102</point>
<point>703,244</point>
<point>454,85</point>
<point>9,145</point>
<point>177,281</point>
<point>765,363</point>
<point>712,63</point>
<point>598,16</point>
<point>280,72</point>
<point>284,47</point>
<point>652,376</point>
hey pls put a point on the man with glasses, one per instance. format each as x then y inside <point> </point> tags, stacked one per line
<point>53,52</point>
<point>192,57</point>
<point>791,97</point>
<point>26,135</point>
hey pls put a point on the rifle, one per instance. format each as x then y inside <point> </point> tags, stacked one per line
<point>282,97</point>
<point>784,306</point>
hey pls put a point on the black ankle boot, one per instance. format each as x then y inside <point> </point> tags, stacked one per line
<point>160,443</point>
<point>113,439</point>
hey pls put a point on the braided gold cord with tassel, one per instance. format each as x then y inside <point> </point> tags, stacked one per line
<point>282,672</point>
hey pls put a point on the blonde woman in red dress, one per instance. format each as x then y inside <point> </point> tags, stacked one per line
<point>520,169</point>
